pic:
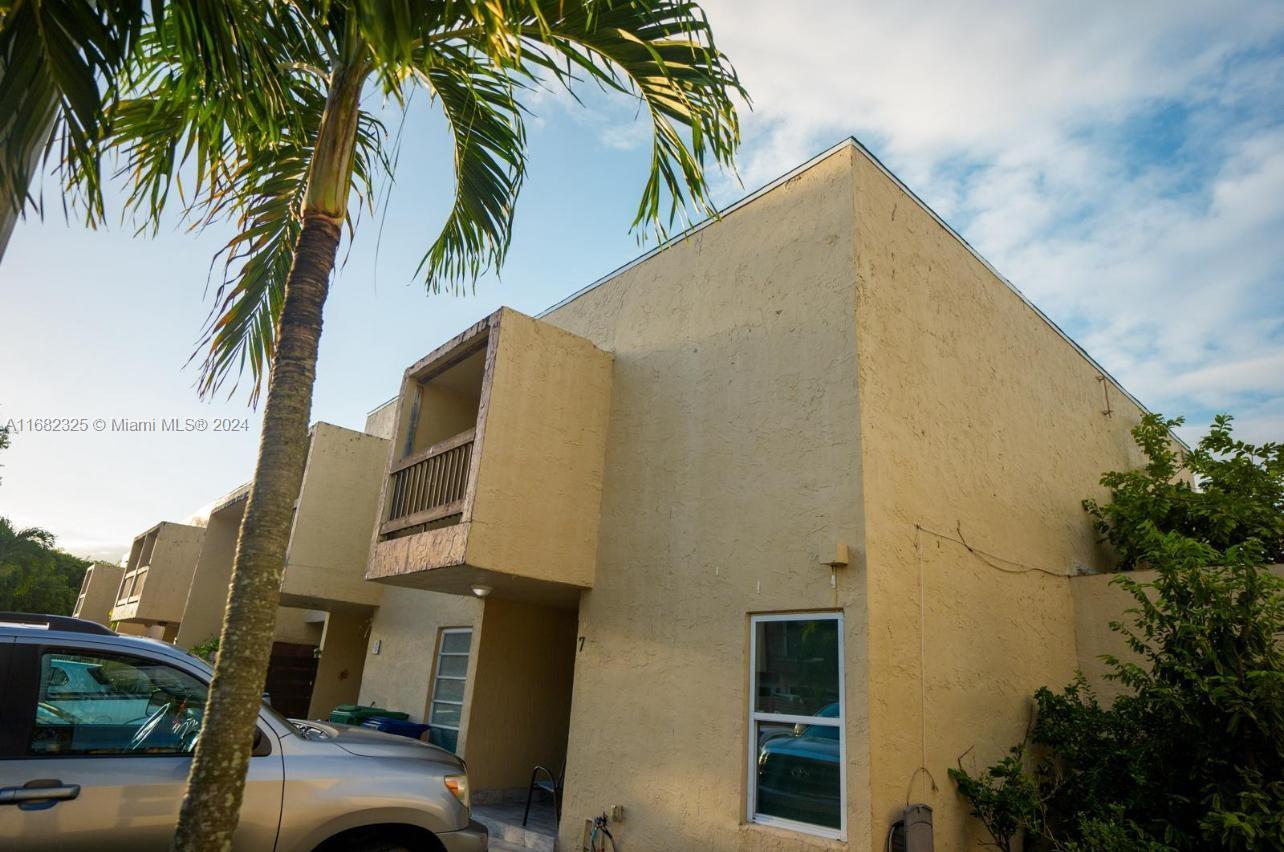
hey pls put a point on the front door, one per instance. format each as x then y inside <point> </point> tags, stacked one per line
<point>97,751</point>
<point>292,671</point>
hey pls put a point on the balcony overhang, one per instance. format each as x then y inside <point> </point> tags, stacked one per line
<point>333,521</point>
<point>432,562</point>
<point>494,475</point>
<point>154,586</point>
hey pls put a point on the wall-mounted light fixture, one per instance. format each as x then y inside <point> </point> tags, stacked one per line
<point>841,557</point>
<point>481,591</point>
<point>840,560</point>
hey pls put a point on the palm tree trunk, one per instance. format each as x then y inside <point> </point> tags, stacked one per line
<point>216,784</point>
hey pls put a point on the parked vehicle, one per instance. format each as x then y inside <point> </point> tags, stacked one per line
<point>96,736</point>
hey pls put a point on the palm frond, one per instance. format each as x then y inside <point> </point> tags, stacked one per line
<point>220,115</point>
<point>265,196</point>
<point>489,140</point>
<point>663,53</point>
<point>188,138</point>
<point>55,55</point>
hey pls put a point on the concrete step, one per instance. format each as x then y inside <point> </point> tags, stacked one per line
<point>500,846</point>
<point>507,834</point>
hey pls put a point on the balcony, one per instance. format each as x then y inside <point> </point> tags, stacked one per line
<point>494,475</point>
<point>430,485</point>
<point>153,589</point>
<point>334,518</point>
<point>98,592</point>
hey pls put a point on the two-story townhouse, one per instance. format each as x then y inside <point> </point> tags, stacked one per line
<point>756,536</point>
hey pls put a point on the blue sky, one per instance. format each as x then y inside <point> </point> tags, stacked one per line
<point>1123,166</point>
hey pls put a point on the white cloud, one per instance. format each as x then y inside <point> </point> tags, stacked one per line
<point>1122,163</point>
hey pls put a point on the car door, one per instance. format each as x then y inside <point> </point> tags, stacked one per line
<point>97,747</point>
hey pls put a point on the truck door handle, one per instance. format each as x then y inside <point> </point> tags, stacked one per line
<point>38,794</point>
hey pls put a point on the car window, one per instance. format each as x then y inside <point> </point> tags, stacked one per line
<point>105,704</point>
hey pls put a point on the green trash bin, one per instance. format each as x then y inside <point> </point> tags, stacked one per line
<point>355,714</point>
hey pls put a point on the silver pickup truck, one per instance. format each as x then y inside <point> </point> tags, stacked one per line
<point>96,736</point>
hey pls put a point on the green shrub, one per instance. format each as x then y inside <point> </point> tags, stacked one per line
<point>1240,494</point>
<point>1191,756</point>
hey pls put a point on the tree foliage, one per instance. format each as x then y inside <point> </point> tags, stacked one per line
<point>1191,755</point>
<point>1222,492</point>
<point>256,111</point>
<point>1003,797</point>
<point>35,576</point>
<point>217,113</point>
<point>206,649</point>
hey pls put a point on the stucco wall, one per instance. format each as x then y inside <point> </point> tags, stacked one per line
<point>382,421</point>
<point>100,592</point>
<point>299,626</point>
<point>732,468</point>
<point>334,520</point>
<point>539,475</point>
<point>343,659</point>
<point>519,712</point>
<point>406,627</point>
<point>207,594</point>
<point>979,423</point>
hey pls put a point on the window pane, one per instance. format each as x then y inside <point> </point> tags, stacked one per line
<point>800,773</point>
<point>452,666</point>
<point>449,690</point>
<point>92,704</point>
<point>445,738</point>
<point>445,714</point>
<point>448,687</point>
<point>456,643</point>
<point>796,671</point>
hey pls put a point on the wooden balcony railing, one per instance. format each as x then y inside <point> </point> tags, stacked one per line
<point>429,485</point>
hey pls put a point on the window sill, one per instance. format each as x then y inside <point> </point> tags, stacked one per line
<point>772,837</point>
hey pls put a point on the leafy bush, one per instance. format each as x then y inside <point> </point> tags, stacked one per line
<point>35,576</point>
<point>1191,757</point>
<point>1003,798</point>
<point>206,649</point>
<point>1240,494</point>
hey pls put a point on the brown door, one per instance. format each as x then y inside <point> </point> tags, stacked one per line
<point>291,672</point>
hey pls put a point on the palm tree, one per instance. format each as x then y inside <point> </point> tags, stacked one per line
<point>57,57</point>
<point>28,543</point>
<point>262,115</point>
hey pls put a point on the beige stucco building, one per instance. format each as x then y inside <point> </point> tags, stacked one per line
<point>751,539</point>
<point>176,581</point>
<point>759,534</point>
<point>153,588</point>
<point>98,590</point>
<point>326,606</point>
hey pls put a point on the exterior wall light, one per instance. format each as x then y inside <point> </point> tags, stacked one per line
<point>842,557</point>
<point>481,591</point>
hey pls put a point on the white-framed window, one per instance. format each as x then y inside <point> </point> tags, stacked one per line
<point>797,736</point>
<point>449,679</point>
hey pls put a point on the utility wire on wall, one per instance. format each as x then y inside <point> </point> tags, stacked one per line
<point>989,559</point>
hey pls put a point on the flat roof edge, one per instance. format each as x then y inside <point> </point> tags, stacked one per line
<point>854,143</point>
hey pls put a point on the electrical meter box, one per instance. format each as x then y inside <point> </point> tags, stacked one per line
<point>913,831</point>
